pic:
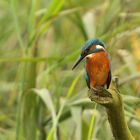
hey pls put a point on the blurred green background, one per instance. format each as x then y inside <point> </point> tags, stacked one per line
<point>41,98</point>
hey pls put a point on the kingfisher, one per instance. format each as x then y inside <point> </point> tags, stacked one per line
<point>97,64</point>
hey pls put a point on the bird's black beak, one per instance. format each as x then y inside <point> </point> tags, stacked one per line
<point>78,61</point>
<point>83,56</point>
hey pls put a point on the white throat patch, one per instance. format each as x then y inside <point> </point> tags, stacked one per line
<point>90,55</point>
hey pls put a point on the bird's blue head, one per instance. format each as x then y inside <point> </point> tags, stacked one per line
<point>91,46</point>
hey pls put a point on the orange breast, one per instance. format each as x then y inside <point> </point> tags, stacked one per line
<point>97,67</point>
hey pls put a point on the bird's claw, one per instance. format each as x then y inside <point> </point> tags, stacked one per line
<point>101,91</point>
<point>96,90</point>
<point>100,95</point>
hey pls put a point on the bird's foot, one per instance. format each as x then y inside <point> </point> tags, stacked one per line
<point>100,95</point>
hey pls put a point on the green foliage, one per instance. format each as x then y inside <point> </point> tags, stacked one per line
<point>41,97</point>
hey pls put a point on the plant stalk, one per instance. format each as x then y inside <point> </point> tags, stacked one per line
<point>112,101</point>
<point>117,121</point>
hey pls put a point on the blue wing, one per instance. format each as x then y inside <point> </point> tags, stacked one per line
<point>109,79</point>
<point>109,73</point>
<point>87,77</point>
<point>87,80</point>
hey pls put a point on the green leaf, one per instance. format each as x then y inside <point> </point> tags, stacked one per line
<point>76,115</point>
<point>13,4</point>
<point>52,9</point>
<point>53,132</point>
<point>91,124</point>
<point>70,91</point>
<point>31,108</point>
<point>47,99</point>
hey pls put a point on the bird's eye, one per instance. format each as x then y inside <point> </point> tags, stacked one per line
<point>85,52</point>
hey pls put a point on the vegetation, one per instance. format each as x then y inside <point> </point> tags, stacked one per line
<point>41,97</point>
